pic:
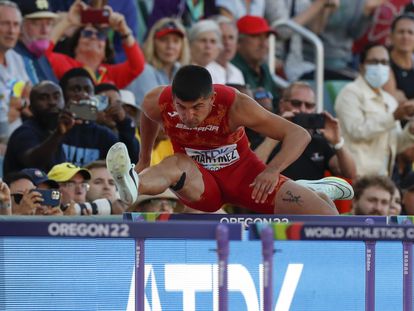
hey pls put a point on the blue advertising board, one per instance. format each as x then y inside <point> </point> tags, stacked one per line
<point>97,274</point>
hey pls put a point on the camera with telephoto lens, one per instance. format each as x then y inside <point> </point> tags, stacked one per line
<point>86,109</point>
<point>98,207</point>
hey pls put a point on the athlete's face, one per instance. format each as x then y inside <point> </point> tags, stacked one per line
<point>192,113</point>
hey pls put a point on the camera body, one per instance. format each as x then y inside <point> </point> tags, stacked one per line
<point>95,16</point>
<point>86,109</point>
<point>310,120</point>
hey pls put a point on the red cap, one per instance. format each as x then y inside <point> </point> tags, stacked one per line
<point>253,25</point>
<point>169,27</point>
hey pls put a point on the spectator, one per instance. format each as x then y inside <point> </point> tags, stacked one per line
<point>205,46</point>
<point>166,49</point>
<point>37,26</point>
<point>130,106</point>
<point>89,47</point>
<point>88,141</point>
<point>72,180</point>
<point>5,199</point>
<point>379,30</point>
<point>326,151</point>
<point>403,166</point>
<point>338,27</point>
<point>372,195</point>
<point>26,200</point>
<point>402,73</point>
<point>166,202</point>
<point>13,75</point>
<point>229,35</point>
<point>38,141</point>
<point>252,52</point>
<point>128,8</point>
<point>102,186</point>
<point>395,206</point>
<point>115,117</point>
<point>369,116</point>
<point>189,11</point>
<point>305,13</point>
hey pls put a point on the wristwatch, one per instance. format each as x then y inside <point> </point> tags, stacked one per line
<point>340,144</point>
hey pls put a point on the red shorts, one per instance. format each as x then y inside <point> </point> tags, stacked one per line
<point>231,185</point>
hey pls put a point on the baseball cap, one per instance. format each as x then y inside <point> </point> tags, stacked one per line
<point>128,98</point>
<point>167,28</point>
<point>35,9</point>
<point>253,25</point>
<point>65,171</point>
<point>39,177</point>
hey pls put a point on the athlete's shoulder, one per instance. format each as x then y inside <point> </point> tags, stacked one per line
<point>224,94</point>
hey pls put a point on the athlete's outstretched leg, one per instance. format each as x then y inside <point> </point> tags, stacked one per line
<point>178,171</point>
<point>293,198</point>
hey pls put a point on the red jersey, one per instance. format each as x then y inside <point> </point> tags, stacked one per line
<point>212,143</point>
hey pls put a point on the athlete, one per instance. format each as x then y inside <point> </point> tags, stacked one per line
<point>212,162</point>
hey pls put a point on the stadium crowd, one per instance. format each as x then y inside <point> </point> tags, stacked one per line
<point>73,76</point>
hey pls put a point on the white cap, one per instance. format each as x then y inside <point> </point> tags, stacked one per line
<point>128,98</point>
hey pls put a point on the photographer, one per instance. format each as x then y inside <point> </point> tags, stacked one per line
<point>326,151</point>
<point>90,48</point>
<point>55,135</point>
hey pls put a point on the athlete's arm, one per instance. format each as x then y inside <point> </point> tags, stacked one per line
<point>247,112</point>
<point>149,126</point>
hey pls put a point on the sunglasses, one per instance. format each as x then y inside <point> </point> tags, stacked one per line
<point>100,35</point>
<point>17,197</point>
<point>298,103</point>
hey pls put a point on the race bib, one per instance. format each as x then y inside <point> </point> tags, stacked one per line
<point>215,159</point>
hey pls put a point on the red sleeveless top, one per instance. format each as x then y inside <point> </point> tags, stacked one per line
<point>211,143</point>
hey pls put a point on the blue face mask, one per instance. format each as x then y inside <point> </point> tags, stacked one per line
<point>377,75</point>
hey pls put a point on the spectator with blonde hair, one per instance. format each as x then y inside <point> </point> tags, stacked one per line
<point>166,49</point>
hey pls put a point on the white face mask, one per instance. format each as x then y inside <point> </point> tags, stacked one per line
<point>377,75</point>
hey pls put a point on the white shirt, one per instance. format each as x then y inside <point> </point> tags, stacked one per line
<point>221,75</point>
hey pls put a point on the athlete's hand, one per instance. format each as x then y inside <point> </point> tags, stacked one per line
<point>264,184</point>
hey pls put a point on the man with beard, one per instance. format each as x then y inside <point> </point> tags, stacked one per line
<point>372,195</point>
<point>38,141</point>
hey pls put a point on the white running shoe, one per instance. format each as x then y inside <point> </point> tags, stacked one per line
<point>121,169</point>
<point>334,187</point>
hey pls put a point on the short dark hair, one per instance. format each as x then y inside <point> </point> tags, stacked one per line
<point>103,87</point>
<point>407,15</point>
<point>365,182</point>
<point>74,73</point>
<point>363,55</point>
<point>192,82</point>
<point>35,89</point>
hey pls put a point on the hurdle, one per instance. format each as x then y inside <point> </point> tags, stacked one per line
<point>369,234</point>
<point>222,233</point>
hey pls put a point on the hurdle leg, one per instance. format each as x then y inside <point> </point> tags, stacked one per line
<point>267,253</point>
<point>139,275</point>
<point>222,237</point>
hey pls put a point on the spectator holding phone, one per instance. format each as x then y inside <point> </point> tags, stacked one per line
<point>29,196</point>
<point>90,44</point>
<point>369,116</point>
<point>326,151</point>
